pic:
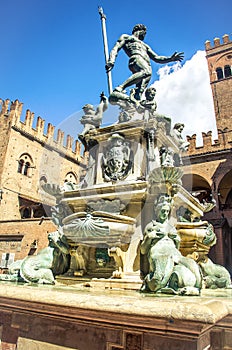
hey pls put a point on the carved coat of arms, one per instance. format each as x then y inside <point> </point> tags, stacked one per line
<point>116,161</point>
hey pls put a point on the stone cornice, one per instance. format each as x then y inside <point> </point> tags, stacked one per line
<point>116,307</point>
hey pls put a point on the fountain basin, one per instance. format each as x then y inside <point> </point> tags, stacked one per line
<point>98,229</point>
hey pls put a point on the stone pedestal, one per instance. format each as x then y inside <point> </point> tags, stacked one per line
<point>81,318</point>
<point>131,198</point>
<point>121,158</point>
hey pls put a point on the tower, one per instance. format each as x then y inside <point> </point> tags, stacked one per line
<point>219,58</point>
<point>211,164</point>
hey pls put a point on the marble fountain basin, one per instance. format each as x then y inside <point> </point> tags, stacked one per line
<point>195,237</point>
<point>99,229</point>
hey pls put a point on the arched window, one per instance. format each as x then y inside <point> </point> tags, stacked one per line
<point>26,167</point>
<point>227,71</point>
<point>43,180</point>
<point>26,213</point>
<point>25,164</point>
<point>219,72</point>
<point>71,177</point>
<point>20,166</point>
<point>29,209</point>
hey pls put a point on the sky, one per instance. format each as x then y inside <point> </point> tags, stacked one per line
<point>52,55</point>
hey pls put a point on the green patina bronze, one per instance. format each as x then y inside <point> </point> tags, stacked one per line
<point>169,271</point>
<point>139,55</point>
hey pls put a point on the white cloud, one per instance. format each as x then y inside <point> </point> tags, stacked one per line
<point>184,94</point>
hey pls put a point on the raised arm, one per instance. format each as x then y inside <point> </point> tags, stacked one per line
<point>102,107</point>
<point>114,52</point>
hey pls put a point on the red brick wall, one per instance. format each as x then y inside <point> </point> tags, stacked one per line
<point>31,230</point>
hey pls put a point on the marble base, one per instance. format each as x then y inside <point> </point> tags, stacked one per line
<point>126,283</point>
<point>91,318</point>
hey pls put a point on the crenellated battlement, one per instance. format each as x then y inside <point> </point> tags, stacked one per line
<point>223,142</point>
<point>10,115</point>
<point>217,42</point>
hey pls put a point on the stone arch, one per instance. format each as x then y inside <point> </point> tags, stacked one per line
<point>198,186</point>
<point>43,180</point>
<point>71,177</point>
<point>229,200</point>
<point>225,190</point>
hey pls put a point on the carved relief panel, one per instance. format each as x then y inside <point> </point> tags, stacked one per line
<point>117,159</point>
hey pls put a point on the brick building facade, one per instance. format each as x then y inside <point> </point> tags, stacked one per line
<point>210,172</point>
<point>30,157</point>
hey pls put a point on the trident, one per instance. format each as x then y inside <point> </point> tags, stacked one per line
<point>105,42</point>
